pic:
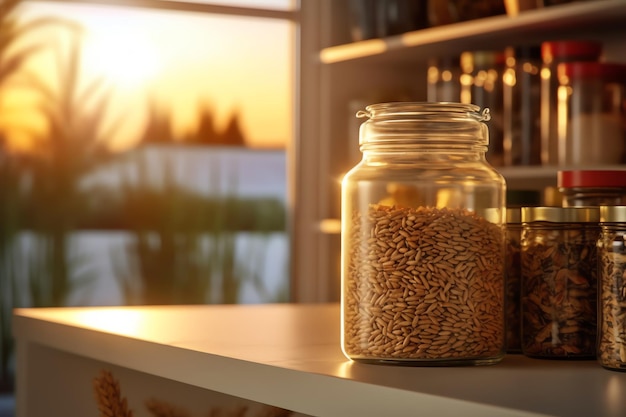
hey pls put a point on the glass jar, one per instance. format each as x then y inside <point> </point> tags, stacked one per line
<point>590,113</point>
<point>444,80</point>
<point>559,281</point>
<point>522,103</point>
<point>552,54</point>
<point>481,84</point>
<point>513,272</point>
<point>592,187</point>
<point>423,239</point>
<point>612,288</point>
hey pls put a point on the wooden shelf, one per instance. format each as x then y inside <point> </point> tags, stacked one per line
<point>569,20</point>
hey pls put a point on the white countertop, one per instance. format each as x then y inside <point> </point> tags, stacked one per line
<point>289,356</point>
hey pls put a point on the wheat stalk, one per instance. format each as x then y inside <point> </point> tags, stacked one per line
<point>109,397</point>
<point>162,409</point>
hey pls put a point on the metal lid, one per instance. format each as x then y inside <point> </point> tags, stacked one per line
<point>612,214</point>
<point>591,179</point>
<point>513,214</point>
<point>561,214</point>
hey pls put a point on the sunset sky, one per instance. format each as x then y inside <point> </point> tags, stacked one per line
<point>183,60</point>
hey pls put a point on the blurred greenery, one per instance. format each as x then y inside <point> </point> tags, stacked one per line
<point>14,55</point>
<point>184,244</point>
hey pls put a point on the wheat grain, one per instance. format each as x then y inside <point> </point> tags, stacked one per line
<point>428,266</point>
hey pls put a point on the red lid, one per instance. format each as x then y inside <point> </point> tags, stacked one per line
<point>591,179</point>
<point>603,70</point>
<point>572,50</point>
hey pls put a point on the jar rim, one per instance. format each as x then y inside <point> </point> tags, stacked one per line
<point>418,108</point>
<point>612,214</point>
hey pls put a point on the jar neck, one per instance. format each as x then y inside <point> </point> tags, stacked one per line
<point>424,127</point>
<point>414,153</point>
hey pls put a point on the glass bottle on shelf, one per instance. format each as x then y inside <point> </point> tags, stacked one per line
<point>554,53</point>
<point>590,113</point>
<point>444,80</point>
<point>522,104</point>
<point>481,84</point>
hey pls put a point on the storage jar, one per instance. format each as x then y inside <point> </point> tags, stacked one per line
<point>559,281</point>
<point>513,272</point>
<point>554,53</point>
<point>481,84</point>
<point>592,187</point>
<point>443,81</point>
<point>522,104</point>
<point>423,239</point>
<point>590,113</point>
<point>612,288</point>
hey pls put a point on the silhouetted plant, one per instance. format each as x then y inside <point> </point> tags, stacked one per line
<point>205,133</point>
<point>76,141</point>
<point>14,55</point>
<point>158,128</point>
<point>184,245</point>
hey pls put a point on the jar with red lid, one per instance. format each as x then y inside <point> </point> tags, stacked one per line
<point>592,187</point>
<point>554,53</point>
<point>590,113</point>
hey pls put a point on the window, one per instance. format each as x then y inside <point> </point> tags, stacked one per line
<point>147,147</point>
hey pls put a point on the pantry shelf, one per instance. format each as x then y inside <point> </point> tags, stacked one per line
<point>283,355</point>
<point>497,32</point>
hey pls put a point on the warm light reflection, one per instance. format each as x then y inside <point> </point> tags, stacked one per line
<point>121,321</point>
<point>563,92</point>
<point>357,50</point>
<point>614,395</point>
<point>345,368</point>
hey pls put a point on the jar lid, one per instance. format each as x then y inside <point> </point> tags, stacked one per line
<point>591,179</point>
<point>612,214</point>
<point>586,50</point>
<point>607,71</point>
<point>513,214</point>
<point>560,214</point>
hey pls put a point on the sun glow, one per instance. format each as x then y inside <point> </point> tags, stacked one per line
<point>126,58</point>
<point>179,61</point>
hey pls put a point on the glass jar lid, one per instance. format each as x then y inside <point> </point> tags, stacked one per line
<point>591,179</point>
<point>561,214</point>
<point>398,124</point>
<point>612,214</point>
